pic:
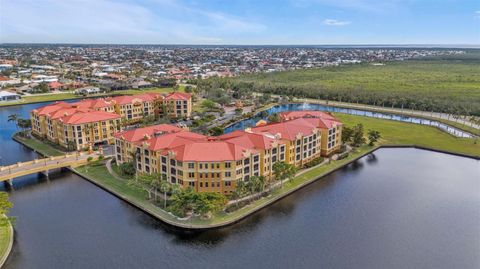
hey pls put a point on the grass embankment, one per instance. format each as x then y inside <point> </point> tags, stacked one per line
<point>6,239</point>
<point>41,147</point>
<point>100,175</point>
<point>401,133</point>
<point>452,122</point>
<point>393,133</point>
<point>70,95</point>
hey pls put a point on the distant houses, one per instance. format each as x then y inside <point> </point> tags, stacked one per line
<point>8,96</point>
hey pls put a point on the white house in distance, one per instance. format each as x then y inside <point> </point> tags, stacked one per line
<point>88,90</point>
<point>8,96</point>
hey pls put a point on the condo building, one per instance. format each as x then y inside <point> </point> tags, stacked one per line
<point>216,164</point>
<point>90,122</point>
<point>74,126</point>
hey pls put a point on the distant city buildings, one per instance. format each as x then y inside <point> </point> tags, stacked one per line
<point>110,67</point>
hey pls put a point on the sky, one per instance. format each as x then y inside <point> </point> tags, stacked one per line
<point>247,22</point>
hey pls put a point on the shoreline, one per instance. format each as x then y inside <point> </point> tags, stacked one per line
<point>475,132</point>
<point>7,252</point>
<point>253,208</point>
<point>264,205</point>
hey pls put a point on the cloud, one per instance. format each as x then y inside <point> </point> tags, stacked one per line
<point>112,21</point>
<point>371,6</point>
<point>333,22</point>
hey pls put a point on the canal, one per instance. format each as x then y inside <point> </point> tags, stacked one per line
<point>396,208</point>
<point>243,124</point>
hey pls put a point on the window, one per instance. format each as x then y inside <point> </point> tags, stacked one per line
<point>255,158</point>
<point>191,183</point>
<point>200,165</point>
<point>274,151</point>
<point>212,165</point>
<point>191,165</point>
<point>228,183</point>
<point>246,161</point>
<point>172,162</point>
<point>228,174</point>
<point>191,175</point>
<point>239,162</point>
<point>227,165</point>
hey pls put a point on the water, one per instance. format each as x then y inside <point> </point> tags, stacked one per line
<point>308,106</point>
<point>396,208</point>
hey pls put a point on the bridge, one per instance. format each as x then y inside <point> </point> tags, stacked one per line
<point>9,172</point>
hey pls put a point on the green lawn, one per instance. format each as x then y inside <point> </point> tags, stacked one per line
<point>100,175</point>
<point>401,133</point>
<point>41,147</point>
<point>65,96</point>
<point>5,237</point>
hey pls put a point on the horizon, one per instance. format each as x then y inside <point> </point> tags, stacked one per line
<point>430,46</point>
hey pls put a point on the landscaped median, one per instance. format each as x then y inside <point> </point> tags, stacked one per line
<point>6,240</point>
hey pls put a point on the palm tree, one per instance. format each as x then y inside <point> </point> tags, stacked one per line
<point>164,187</point>
<point>14,118</point>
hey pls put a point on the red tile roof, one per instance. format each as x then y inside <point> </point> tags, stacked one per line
<point>55,85</point>
<point>287,130</point>
<point>290,115</point>
<point>150,131</point>
<point>250,140</point>
<point>129,99</point>
<point>210,151</point>
<point>178,96</point>
<point>81,117</point>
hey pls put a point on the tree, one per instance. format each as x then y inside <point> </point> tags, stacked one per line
<point>275,117</point>
<point>216,131</point>
<point>71,145</point>
<point>24,124</point>
<point>358,138</point>
<point>373,137</point>
<point>5,206</point>
<point>347,134</point>
<point>283,171</point>
<point>127,168</point>
<point>238,111</point>
<point>14,118</point>
<point>206,203</point>
<point>165,187</point>
<point>147,182</point>
<point>240,190</point>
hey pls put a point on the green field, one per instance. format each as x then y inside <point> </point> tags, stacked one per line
<point>41,147</point>
<point>64,96</point>
<point>5,237</point>
<point>401,133</point>
<point>451,84</point>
